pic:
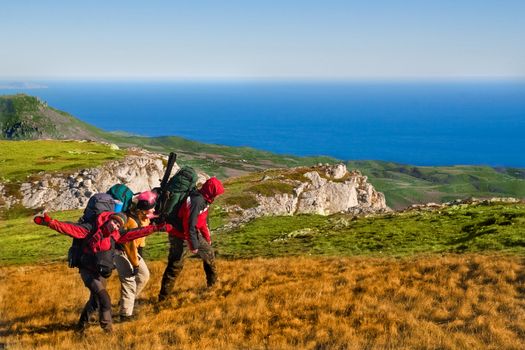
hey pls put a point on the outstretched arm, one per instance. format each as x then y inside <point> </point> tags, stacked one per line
<point>131,235</point>
<point>73,230</point>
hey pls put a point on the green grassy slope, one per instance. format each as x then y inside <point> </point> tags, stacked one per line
<point>222,161</point>
<point>24,161</point>
<point>457,229</point>
<point>24,117</point>
<point>21,159</point>
<point>406,184</point>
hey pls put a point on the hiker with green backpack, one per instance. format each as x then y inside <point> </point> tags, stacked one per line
<point>190,234</point>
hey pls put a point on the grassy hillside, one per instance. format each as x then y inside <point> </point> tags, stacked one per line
<point>453,230</point>
<point>458,229</point>
<point>429,302</point>
<point>222,161</point>
<point>22,159</point>
<point>448,279</point>
<point>452,278</point>
<point>25,117</point>
<point>406,184</point>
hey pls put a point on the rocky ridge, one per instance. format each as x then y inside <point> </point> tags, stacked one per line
<point>322,189</point>
<point>140,170</point>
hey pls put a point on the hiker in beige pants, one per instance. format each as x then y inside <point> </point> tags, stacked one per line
<point>132,270</point>
<point>133,279</point>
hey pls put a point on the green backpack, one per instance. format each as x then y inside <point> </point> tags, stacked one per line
<point>122,193</point>
<point>177,189</point>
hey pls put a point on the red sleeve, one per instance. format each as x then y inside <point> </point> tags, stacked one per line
<point>137,233</point>
<point>73,230</point>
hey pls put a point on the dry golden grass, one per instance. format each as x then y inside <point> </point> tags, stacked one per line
<point>434,302</point>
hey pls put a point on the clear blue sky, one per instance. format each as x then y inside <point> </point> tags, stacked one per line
<point>266,39</point>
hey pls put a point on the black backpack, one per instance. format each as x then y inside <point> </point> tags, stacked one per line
<point>97,204</point>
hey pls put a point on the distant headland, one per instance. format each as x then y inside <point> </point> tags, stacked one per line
<point>21,85</point>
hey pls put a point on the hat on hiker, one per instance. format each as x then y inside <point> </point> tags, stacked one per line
<point>211,189</point>
<point>146,200</point>
<point>121,218</point>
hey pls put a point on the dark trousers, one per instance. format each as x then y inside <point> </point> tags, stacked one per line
<point>179,251</point>
<point>98,300</point>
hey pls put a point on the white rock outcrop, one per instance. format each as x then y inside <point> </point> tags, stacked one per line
<point>139,170</point>
<point>325,190</point>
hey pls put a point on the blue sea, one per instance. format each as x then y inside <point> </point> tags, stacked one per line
<point>420,123</point>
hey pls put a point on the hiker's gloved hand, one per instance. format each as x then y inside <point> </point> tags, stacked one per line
<point>43,220</point>
<point>135,270</point>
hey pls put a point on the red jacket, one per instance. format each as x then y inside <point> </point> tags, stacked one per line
<point>100,240</point>
<point>193,224</point>
<point>194,213</point>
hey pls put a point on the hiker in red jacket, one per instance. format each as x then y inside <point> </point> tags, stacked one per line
<point>96,262</point>
<point>191,234</point>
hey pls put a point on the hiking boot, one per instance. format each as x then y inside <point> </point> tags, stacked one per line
<point>80,328</point>
<point>212,282</point>
<point>93,319</point>
<point>108,329</point>
<point>163,298</point>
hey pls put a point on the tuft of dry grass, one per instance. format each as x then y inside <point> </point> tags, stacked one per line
<point>427,302</point>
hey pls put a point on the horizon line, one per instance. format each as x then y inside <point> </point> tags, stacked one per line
<point>22,80</point>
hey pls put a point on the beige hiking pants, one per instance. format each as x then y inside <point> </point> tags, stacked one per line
<point>130,285</point>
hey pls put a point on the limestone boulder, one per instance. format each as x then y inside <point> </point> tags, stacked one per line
<point>324,190</point>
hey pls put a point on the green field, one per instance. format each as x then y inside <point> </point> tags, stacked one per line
<point>403,184</point>
<point>222,161</point>
<point>456,229</point>
<point>21,159</point>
